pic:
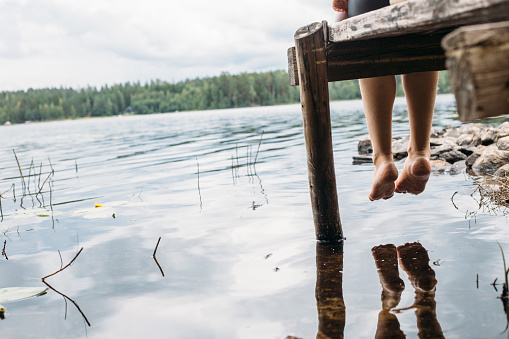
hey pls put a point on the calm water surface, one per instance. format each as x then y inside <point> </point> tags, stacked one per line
<point>237,240</point>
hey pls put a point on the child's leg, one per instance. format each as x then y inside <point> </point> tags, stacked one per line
<point>378,96</point>
<point>420,91</point>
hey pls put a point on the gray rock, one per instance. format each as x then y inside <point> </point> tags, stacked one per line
<point>503,171</point>
<point>468,139</point>
<point>475,129</point>
<point>452,156</point>
<point>365,146</point>
<point>441,166</point>
<point>468,149</point>
<point>450,141</point>
<point>489,136</point>
<point>400,148</point>
<point>449,144</point>
<point>436,141</point>
<point>503,144</point>
<point>491,160</point>
<point>503,130</point>
<point>474,156</point>
<point>451,131</point>
<point>435,133</point>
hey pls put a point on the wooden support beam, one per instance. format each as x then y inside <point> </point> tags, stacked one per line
<point>386,56</point>
<point>414,16</point>
<point>478,63</point>
<point>314,96</point>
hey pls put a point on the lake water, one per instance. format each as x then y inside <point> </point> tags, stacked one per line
<point>237,245</point>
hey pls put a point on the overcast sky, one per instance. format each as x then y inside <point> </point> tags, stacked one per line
<point>75,43</point>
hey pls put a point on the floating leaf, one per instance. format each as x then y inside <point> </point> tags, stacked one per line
<point>9,294</point>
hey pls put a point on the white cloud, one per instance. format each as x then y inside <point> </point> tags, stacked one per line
<point>75,43</point>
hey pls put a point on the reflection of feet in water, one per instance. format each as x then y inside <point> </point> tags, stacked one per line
<point>388,326</point>
<point>386,261</point>
<point>414,261</point>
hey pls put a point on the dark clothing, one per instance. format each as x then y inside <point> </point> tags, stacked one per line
<point>356,7</point>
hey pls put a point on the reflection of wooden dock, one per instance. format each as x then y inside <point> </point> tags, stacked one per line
<point>403,38</point>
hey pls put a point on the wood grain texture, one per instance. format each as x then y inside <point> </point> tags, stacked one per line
<point>386,56</point>
<point>414,16</point>
<point>293,72</point>
<point>478,64</point>
<point>314,96</point>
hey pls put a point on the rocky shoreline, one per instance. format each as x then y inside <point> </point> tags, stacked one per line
<point>482,150</point>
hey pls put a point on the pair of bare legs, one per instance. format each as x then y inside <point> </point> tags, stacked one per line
<point>378,95</point>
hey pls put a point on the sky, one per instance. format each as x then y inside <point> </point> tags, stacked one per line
<point>80,43</point>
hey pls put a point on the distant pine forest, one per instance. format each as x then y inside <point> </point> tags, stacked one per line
<point>218,92</point>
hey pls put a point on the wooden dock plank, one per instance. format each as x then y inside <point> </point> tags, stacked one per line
<point>415,16</point>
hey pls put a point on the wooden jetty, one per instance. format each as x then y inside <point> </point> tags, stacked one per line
<point>412,36</point>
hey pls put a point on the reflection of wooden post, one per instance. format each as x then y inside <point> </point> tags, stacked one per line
<point>478,64</point>
<point>314,97</point>
<point>329,290</point>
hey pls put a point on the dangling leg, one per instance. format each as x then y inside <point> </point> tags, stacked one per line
<point>378,96</point>
<point>420,91</point>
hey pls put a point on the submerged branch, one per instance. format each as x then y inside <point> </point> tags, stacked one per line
<point>60,270</point>
<point>60,293</point>
<point>506,272</point>
<point>157,245</point>
<point>3,250</point>
<point>44,182</point>
<point>67,298</point>
<point>20,173</point>
<point>258,150</point>
<point>154,256</point>
<point>199,191</point>
<point>51,204</point>
<point>51,166</point>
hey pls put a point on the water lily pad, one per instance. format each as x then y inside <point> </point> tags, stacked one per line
<point>9,294</point>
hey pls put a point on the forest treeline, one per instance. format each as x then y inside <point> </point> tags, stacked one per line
<point>223,91</point>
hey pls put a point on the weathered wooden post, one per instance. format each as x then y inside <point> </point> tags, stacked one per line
<point>310,46</point>
<point>478,63</point>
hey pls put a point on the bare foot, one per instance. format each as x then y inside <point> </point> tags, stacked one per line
<point>415,175</point>
<point>386,174</point>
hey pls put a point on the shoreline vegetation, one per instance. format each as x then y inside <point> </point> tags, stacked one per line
<point>157,96</point>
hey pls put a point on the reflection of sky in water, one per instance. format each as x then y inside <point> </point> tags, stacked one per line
<point>218,282</point>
